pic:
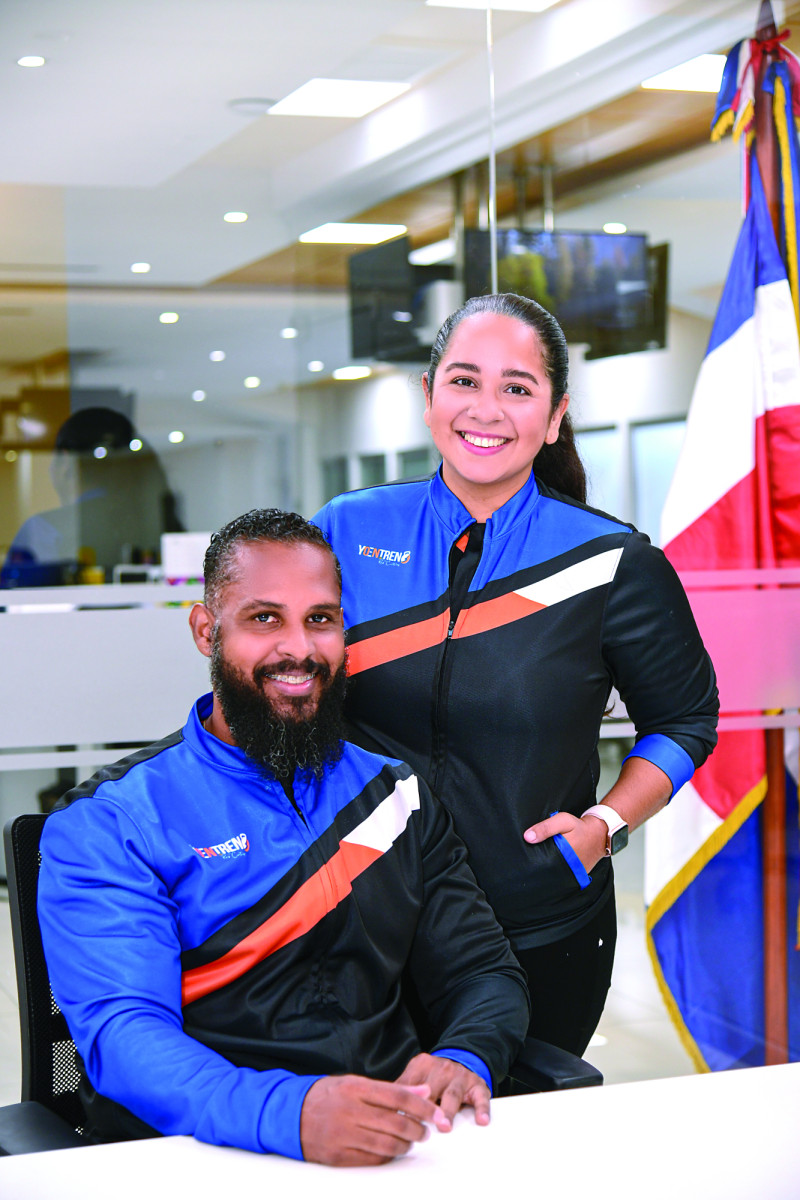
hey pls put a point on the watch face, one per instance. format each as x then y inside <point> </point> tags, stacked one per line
<point>618,840</point>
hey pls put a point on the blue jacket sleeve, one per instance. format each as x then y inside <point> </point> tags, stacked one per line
<point>110,934</point>
<point>470,1061</point>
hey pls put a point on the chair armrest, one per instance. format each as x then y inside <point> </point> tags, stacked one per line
<point>542,1067</point>
<point>28,1127</point>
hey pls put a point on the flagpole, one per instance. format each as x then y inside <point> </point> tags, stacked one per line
<point>766,146</point>
<point>776,982</point>
<point>773,827</point>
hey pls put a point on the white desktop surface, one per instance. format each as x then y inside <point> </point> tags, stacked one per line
<point>729,1136</point>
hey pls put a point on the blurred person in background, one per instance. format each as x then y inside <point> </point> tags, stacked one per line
<point>115,504</point>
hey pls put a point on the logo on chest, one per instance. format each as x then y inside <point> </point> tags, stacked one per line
<point>385,556</point>
<point>235,847</point>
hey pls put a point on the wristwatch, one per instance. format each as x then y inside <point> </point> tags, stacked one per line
<point>617,836</point>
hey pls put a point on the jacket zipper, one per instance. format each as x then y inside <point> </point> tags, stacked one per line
<point>462,568</point>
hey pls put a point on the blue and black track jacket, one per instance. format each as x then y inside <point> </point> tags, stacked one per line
<point>215,949</point>
<point>485,656</point>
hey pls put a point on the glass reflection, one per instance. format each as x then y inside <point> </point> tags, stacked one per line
<point>113,505</point>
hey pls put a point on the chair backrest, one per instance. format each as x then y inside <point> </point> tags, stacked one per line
<point>51,1070</point>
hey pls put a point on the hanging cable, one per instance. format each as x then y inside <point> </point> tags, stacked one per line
<point>492,153</point>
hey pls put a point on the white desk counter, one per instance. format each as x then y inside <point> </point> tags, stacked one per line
<point>731,1136</point>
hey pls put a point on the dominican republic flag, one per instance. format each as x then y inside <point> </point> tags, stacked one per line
<point>734,502</point>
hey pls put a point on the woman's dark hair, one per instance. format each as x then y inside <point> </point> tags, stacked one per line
<point>557,465</point>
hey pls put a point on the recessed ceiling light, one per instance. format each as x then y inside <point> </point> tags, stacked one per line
<point>352,233</point>
<point>235,218</point>
<point>435,252</point>
<point>352,372</point>
<point>337,98</point>
<point>217,356</point>
<point>176,436</point>
<point>140,268</point>
<point>135,444</point>
<point>289,332</point>
<point>615,227</point>
<point>100,451</point>
<point>316,364</point>
<point>402,317</point>
<point>701,74</point>
<point>532,6</point>
<point>31,60</point>
<point>168,318</point>
<point>252,381</point>
<point>198,395</point>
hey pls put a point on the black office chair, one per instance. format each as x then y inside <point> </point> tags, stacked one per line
<point>542,1067</point>
<point>50,1116</point>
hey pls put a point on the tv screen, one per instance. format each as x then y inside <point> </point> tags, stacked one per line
<point>651,334</point>
<point>607,290</point>
<point>395,306</point>
<point>381,293</point>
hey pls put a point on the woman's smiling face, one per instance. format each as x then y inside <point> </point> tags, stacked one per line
<point>491,409</point>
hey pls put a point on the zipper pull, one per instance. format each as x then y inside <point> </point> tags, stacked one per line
<point>288,789</point>
<point>450,629</point>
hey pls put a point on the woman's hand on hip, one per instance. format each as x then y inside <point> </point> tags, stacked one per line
<point>586,835</point>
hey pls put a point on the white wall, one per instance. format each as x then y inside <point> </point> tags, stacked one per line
<point>613,398</point>
<point>217,481</point>
<point>380,415</point>
<point>649,386</point>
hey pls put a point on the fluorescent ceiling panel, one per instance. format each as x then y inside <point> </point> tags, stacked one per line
<point>434,252</point>
<point>351,233</point>
<point>531,6</point>
<point>701,74</point>
<point>337,98</point>
<point>352,372</point>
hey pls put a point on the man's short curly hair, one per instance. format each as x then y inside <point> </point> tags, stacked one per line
<point>258,525</point>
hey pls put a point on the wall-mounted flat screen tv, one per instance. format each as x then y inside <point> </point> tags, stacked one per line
<point>608,290</point>
<point>395,306</point>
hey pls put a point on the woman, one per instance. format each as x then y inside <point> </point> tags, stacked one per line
<point>490,612</point>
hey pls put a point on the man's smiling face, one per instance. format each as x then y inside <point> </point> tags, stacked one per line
<point>276,643</point>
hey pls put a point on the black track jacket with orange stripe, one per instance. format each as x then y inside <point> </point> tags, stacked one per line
<point>488,665</point>
<point>216,950</point>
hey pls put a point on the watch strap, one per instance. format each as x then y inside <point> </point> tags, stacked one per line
<point>613,821</point>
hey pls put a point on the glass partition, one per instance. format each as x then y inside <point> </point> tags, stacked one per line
<point>176,347</point>
<point>654,451</point>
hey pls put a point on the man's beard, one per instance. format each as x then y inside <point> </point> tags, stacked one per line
<point>281,744</point>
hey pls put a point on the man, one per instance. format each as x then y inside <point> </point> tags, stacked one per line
<point>228,914</point>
